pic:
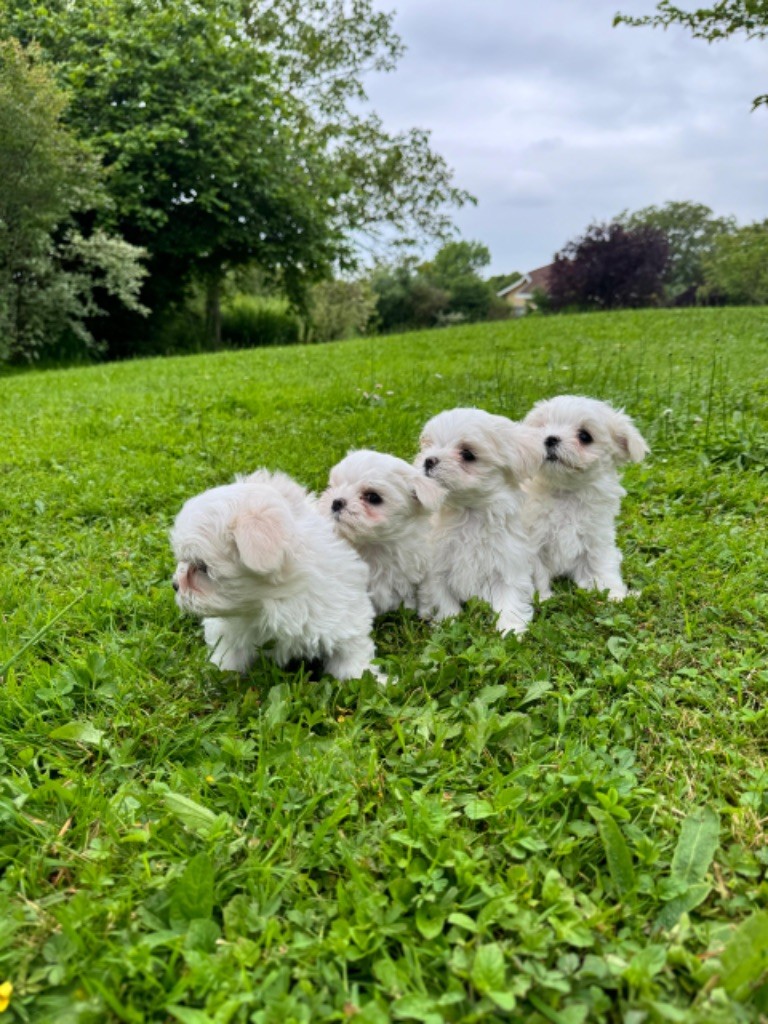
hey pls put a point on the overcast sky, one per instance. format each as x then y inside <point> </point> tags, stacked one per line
<point>553,119</point>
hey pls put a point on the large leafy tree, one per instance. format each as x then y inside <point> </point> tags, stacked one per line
<point>691,230</point>
<point>233,132</point>
<point>393,185</point>
<point>208,163</point>
<point>446,288</point>
<point>736,270</point>
<point>721,20</point>
<point>456,269</point>
<point>51,274</point>
<point>609,267</point>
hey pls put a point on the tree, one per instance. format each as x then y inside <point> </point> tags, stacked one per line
<point>500,281</point>
<point>233,133</point>
<point>200,146</point>
<point>446,289</point>
<point>691,230</point>
<point>405,299</point>
<point>736,270</point>
<point>456,270</point>
<point>609,267</point>
<point>50,273</point>
<point>720,21</point>
<point>340,309</point>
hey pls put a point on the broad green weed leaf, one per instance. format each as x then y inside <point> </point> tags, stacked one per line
<point>618,647</point>
<point>616,853</point>
<point>504,1000</point>
<point>463,921</point>
<point>196,817</point>
<point>478,809</point>
<point>189,1015</point>
<point>696,846</point>
<point>488,970</point>
<point>536,690</point>
<point>699,838</point>
<point>491,694</point>
<point>430,920</point>
<point>416,1008</point>
<point>193,892</point>
<point>645,965</point>
<point>78,732</point>
<point>745,958</point>
<point>691,899</point>
<point>203,936</point>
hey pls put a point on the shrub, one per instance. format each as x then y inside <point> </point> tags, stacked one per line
<point>340,309</point>
<point>736,271</point>
<point>53,278</point>
<point>248,321</point>
<point>610,267</point>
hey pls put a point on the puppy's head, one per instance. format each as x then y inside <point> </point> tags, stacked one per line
<point>231,544</point>
<point>473,454</point>
<point>373,497</point>
<point>583,437</point>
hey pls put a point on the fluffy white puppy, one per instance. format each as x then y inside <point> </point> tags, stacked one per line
<point>381,505</point>
<point>261,565</point>
<point>479,546</point>
<point>573,500</point>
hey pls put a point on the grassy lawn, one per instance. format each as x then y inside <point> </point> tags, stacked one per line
<point>567,829</point>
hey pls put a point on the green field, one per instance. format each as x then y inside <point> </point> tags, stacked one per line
<point>567,829</point>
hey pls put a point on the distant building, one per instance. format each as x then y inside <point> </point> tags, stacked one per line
<point>520,294</point>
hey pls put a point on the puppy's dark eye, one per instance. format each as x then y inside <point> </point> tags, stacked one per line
<point>201,567</point>
<point>585,437</point>
<point>372,498</point>
<point>467,455</point>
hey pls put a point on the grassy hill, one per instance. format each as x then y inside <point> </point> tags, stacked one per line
<point>565,829</point>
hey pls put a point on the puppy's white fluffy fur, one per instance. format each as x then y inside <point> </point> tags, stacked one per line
<point>573,501</point>
<point>479,547</point>
<point>260,564</point>
<point>381,505</point>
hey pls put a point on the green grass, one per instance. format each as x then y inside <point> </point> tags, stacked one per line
<point>567,829</point>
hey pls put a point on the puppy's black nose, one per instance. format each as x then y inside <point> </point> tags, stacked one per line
<point>552,442</point>
<point>338,504</point>
<point>175,586</point>
<point>429,465</point>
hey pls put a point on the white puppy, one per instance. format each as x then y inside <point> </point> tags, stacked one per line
<point>479,546</point>
<point>381,505</point>
<point>573,501</point>
<point>262,566</point>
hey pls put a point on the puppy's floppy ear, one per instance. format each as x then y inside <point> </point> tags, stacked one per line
<point>537,416</point>
<point>521,448</point>
<point>262,534</point>
<point>427,493</point>
<point>630,443</point>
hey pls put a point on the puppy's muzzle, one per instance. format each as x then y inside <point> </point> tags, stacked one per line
<point>337,505</point>
<point>429,465</point>
<point>175,585</point>
<point>551,443</point>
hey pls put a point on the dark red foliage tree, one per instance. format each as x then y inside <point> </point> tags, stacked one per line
<point>610,267</point>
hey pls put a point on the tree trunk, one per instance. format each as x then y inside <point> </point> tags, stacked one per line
<point>213,311</point>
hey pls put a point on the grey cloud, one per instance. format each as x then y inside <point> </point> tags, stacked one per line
<point>553,118</point>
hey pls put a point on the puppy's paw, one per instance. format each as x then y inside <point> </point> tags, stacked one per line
<point>516,628</point>
<point>382,678</point>
<point>232,660</point>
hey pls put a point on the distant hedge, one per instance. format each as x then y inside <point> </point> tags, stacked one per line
<point>248,321</point>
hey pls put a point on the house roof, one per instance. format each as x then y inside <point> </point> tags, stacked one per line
<point>528,283</point>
